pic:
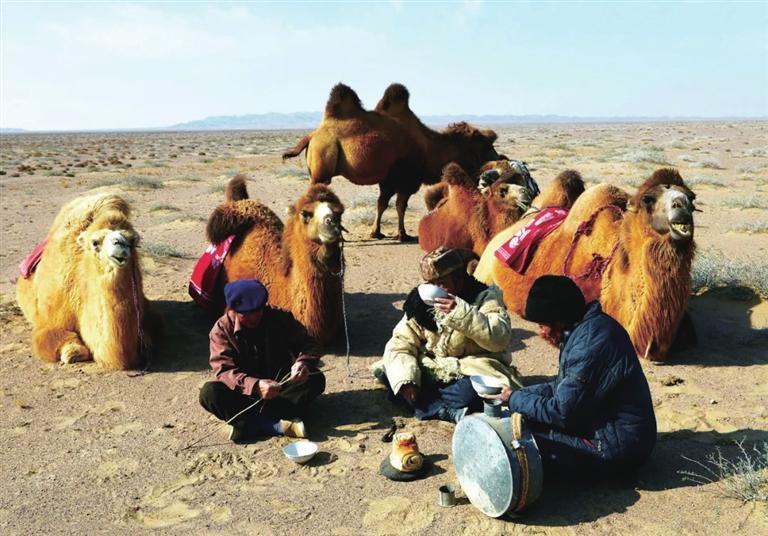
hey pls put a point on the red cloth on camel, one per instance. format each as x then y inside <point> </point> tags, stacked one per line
<point>30,262</point>
<point>205,275</point>
<point>517,252</point>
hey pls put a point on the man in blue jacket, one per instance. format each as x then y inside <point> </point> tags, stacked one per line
<point>597,417</point>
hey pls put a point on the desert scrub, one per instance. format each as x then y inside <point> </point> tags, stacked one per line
<point>751,201</point>
<point>165,208</point>
<point>751,228</point>
<point>702,180</point>
<point>744,478</point>
<point>712,269</point>
<point>287,170</point>
<point>162,250</point>
<point>131,182</point>
<point>710,163</point>
<point>651,156</point>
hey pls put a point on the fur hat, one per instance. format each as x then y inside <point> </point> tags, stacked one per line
<point>245,296</point>
<point>554,298</point>
<point>443,261</point>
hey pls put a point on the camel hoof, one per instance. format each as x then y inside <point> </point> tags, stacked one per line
<point>407,239</point>
<point>73,353</point>
<point>377,235</point>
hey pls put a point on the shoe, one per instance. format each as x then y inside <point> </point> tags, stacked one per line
<point>293,428</point>
<point>239,436</point>
<point>453,415</point>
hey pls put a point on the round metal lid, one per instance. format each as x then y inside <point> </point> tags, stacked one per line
<point>482,466</point>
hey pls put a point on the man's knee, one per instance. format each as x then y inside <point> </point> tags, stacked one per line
<point>316,383</point>
<point>209,393</point>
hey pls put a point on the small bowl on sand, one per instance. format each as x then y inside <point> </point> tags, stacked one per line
<point>486,385</point>
<point>300,451</point>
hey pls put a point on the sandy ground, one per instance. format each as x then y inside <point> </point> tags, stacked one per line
<point>88,451</point>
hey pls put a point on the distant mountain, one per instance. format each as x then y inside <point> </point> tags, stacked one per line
<point>307,120</point>
<point>12,130</point>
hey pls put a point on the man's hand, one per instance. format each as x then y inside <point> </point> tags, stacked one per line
<point>409,391</point>
<point>299,372</point>
<point>268,389</point>
<point>445,305</point>
<point>506,392</point>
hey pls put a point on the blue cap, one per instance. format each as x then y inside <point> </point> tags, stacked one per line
<point>245,296</point>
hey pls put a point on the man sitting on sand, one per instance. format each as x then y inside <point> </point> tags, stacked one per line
<point>434,349</point>
<point>597,417</point>
<point>258,352</point>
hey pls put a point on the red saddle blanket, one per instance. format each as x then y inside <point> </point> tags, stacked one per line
<point>30,262</point>
<point>517,252</point>
<point>205,275</point>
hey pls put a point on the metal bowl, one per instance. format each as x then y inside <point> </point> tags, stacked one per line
<point>428,292</point>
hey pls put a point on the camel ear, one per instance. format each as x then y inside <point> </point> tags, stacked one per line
<point>132,237</point>
<point>290,210</point>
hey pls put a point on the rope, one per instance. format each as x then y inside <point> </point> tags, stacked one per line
<point>143,346</point>
<point>597,266</point>
<point>522,458</point>
<point>350,374</point>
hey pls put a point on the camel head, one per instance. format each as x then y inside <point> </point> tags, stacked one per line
<point>667,204</point>
<point>318,213</point>
<point>111,246</point>
<point>509,197</point>
<point>474,145</point>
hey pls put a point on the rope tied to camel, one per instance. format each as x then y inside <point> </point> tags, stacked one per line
<point>143,346</point>
<point>598,265</point>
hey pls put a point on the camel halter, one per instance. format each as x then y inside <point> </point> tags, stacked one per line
<point>597,266</point>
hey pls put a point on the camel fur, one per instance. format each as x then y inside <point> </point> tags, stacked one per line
<point>468,218</point>
<point>299,262</point>
<point>374,147</point>
<point>85,299</point>
<point>646,284</point>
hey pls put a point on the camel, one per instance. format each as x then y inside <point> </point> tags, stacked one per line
<point>633,253</point>
<point>299,262</point>
<point>85,299</point>
<point>467,218</point>
<point>369,147</point>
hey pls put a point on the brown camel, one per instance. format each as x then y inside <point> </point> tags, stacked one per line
<point>369,147</point>
<point>638,262</point>
<point>299,263</point>
<point>85,298</point>
<point>467,218</point>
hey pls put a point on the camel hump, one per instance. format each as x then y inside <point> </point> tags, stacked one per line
<point>237,217</point>
<point>571,183</point>
<point>455,175</point>
<point>343,103</point>
<point>236,189</point>
<point>394,94</point>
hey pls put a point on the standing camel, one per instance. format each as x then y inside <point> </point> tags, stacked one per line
<point>369,147</point>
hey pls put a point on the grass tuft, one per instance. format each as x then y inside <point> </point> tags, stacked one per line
<point>751,201</point>
<point>712,269</point>
<point>751,228</point>
<point>162,250</point>
<point>744,478</point>
<point>131,182</point>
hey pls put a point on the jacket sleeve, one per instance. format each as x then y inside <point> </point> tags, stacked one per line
<point>488,324</point>
<point>224,363</point>
<point>303,345</point>
<point>401,363</point>
<point>564,403</point>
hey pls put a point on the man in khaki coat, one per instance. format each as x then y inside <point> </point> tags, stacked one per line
<point>434,349</point>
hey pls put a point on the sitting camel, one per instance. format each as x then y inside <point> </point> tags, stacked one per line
<point>85,299</point>
<point>467,218</point>
<point>299,263</point>
<point>369,147</point>
<point>636,262</point>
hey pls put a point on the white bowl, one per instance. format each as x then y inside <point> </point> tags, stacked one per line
<point>428,292</point>
<point>300,451</point>
<point>485,385</point>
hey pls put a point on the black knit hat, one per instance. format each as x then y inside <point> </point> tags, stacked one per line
<point>555,298</point>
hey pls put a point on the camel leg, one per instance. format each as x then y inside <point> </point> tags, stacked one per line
<point>54,344</point>
<point>402,204</point>
<point>385,194</point>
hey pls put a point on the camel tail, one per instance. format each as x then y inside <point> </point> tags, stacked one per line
<point>236,189</point>
<point>298,148</point>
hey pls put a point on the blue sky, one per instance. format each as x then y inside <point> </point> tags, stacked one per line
<point>125,65</point>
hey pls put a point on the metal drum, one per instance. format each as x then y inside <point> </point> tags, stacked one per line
<point>500,474</point>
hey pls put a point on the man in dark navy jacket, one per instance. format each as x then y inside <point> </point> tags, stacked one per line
<point>597,417</point>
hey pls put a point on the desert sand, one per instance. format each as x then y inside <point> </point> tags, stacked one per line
<point>93,452</point>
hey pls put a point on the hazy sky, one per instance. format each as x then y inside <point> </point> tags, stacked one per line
<point>121,65</point>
